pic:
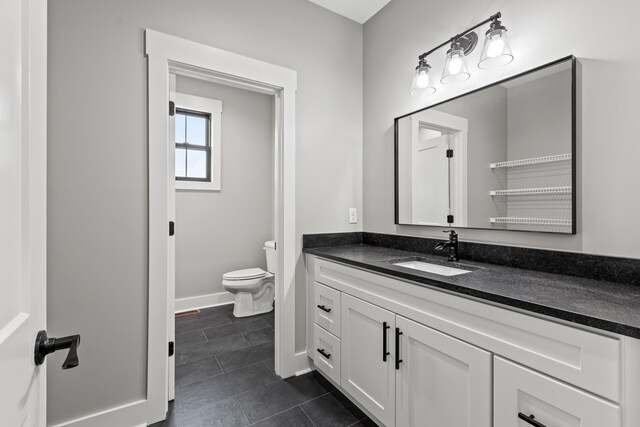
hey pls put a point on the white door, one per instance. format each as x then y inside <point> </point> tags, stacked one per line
<point>442,381</point>
<point>525,398</point>
<point>23,42</point>
<point>430,170</point>
<point>367,372</point>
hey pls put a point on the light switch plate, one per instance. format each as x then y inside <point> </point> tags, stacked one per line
<point>353,216</point>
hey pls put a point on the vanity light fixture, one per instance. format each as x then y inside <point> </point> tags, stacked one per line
<point>455,67</point>
<point>496,52</point>
<point>422,80</point>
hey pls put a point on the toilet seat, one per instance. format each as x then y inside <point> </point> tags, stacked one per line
<point>246,274</point>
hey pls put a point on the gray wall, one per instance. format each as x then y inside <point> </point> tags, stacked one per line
<point>540,117</point>
<point>539,32</point>
<point>221,231</point>
<point>97,164</point>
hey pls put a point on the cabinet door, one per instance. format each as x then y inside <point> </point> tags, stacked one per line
<point>522,393</point>
<point>442,381</point>
<point>366,376</point>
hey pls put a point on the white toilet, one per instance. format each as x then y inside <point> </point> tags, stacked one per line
<point>254,288</point>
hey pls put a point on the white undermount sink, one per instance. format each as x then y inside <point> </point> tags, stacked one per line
<point>432,268</point>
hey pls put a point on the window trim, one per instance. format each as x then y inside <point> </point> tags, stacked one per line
<point>212,107</point>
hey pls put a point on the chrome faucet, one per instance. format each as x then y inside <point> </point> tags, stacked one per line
<point>452,244</point>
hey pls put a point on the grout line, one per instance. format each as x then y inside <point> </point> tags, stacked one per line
<point>200,379</point>
<point>246,391</point>
<point>317,397</point>
<point>219,365</point>
<point>242,409</point>
<point>272,372</point>
<point>279,413</point>
<point>247,341</point>
<point>306,415</point>
<point>360,420</point>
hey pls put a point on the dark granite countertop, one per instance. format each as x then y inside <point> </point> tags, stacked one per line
<point>604,305</point>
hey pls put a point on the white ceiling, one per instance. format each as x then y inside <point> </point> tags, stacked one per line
<point>358,10</point>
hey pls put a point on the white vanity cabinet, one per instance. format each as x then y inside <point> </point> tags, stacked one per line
<point>407,374</point>
<point>525,398</point>
<point>441,381</point>
<point>368,372</point>
<point>418,356</point>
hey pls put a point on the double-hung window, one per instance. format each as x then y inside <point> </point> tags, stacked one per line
<point>197,142</point>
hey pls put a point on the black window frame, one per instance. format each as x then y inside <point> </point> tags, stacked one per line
<point>194,147</point>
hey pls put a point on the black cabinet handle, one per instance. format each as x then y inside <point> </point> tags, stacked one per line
<point>398,360</point>
<point>326,355</point>
<point>323,308</point>
<point>530,419</point>
<point>46,345</point>
<point>385,353</point>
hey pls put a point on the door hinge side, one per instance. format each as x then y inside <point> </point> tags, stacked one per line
<point>172,108</point>
<point>450,219</point>
<point>172,228</point>
<point>171,348</point>
<point>449,153</point>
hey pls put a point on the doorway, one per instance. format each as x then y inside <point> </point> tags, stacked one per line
<point>439,155</point>
<point>171,55</point>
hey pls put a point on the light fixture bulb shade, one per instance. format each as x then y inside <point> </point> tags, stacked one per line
<point>455,66</point>
<point>422,84</point>
<point>496,51</point>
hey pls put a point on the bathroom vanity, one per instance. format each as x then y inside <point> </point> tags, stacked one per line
<point>493,346</point>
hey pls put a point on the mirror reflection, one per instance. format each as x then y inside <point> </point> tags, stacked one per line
<point>497,158</point>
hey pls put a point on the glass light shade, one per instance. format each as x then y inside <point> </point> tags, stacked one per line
<point>496,51</point>
<point>455,66</point>
<point>422,84</point>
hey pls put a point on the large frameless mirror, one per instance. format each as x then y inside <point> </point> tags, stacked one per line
<point>501,157</point>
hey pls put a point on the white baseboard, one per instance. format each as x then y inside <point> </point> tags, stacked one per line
<point>301,363</point>
<point>203,301</point>
<point>130,415</point>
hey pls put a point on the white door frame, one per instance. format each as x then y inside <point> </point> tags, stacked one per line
<point>459,125</point>
<point>168,54</point>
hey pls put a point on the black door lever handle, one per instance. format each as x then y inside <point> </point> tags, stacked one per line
<point>46,345</point>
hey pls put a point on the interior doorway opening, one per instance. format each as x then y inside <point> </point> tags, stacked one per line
<point>169,55</point>
<point>225,215</point>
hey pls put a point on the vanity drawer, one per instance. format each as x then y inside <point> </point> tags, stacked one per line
<point>327,308</point>
<point>520,393</point>
<point>327,353</point>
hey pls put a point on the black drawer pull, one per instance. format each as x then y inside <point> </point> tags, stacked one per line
<point>398,360</point>
<point>323,308</point>
<point>326,355</point>
<point>385,353</point>
<point>530,419</point>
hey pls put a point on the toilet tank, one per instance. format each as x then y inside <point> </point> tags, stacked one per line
<point>270,252</point>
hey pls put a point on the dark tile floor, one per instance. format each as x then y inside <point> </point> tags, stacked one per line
<point>225,378</point>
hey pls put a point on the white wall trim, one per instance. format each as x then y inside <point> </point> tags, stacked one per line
<point>300,363</point>
<point>130,415</point>
<point>204,301</point>
<point>167,54</point>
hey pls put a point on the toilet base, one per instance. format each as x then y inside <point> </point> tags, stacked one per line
<point>243,313</point>
<point>251,304</point>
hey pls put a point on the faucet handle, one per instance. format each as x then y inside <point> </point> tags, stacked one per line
<point>452,234</point>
